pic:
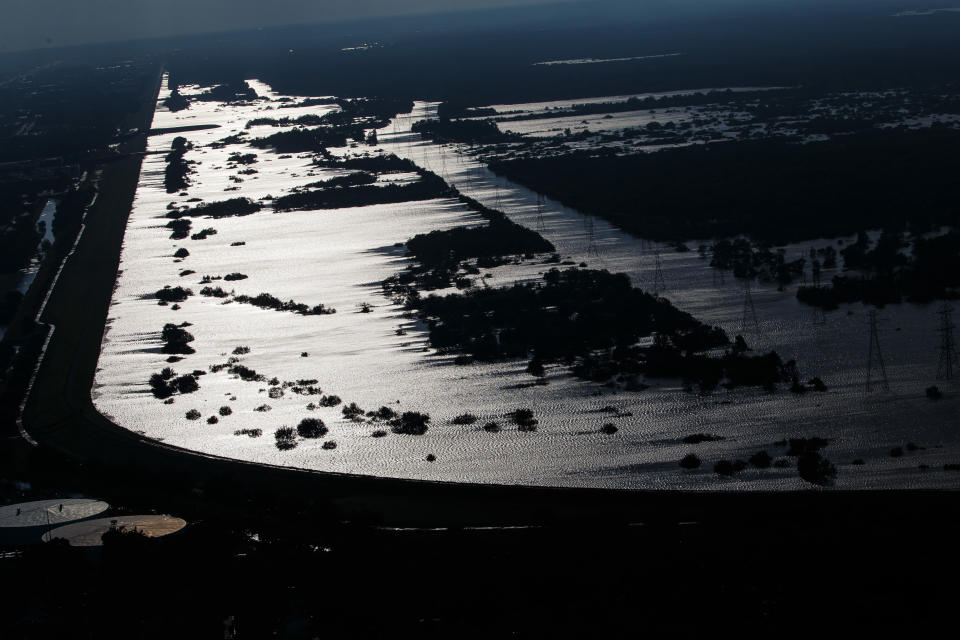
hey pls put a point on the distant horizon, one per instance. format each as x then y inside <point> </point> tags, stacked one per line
<point>27,27</point>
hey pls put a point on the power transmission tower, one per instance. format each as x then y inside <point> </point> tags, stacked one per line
<point>819,316</point>
<point>875,348</point>
<point>541,205</point>
<point>749,310</point>
<point>948,346</point>
<point>659,284</point>
<point>591,236</point>
<point>443,163</point>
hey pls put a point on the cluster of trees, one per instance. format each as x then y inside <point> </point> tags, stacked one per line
<point>748,260</point>
<point>176,339</point>
<point>568,315</point>
<point>173,294</point>
<point>467,131</point>
<point>429,186</point>
<point>219,209</point>
<point>232,91</point>
<point>374,163</point>
<point>176,102</point>
<point>267,301</point>
<point>498,238</point>
<point>165,384</point>
<point>592,321</point>
<point>442,255</point>
<point>177,169</point>
<point>350,180</point>
<point>179,228</point>
<point>768,190</point>
<point>884,273</point>
<point>315,140</point>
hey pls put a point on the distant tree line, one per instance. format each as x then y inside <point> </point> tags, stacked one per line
<point>768,190</point>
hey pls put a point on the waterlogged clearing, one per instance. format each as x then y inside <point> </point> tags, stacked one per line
<point>267,368</point>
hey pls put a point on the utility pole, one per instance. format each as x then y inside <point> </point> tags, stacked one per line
<point>948,346</point>
<point>875,348</point>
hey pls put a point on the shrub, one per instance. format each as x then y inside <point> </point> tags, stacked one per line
<point>246,373</point>
<point>383,413</point>
<point>896,452</point>
<point>492,427</point>
<point>815,469</point>
<point>213,420</point>
<point>203,234</point>
<point>231,277</point>
<point>609,429</point>
<point>241,351</point>
<point>159,387</point>
<point>225,411</point>
<point>723,468</point>
<point>173,294</point>
<point>799,446</point>
<point>311,428</point>
<point>193,414</point>
<point>181,253</point>
<point>304,354</point>
<point>858,462</point>
<point>351,411</point>
<point>535,368</point>
<point>690,461</point>
<point>379,433</point>
<point>761,460</point>
<point>431,457</point>
<point>934,392</point>
<point>524,419</point>
<point>186,384</point>
<point>285,438</point>
<point>253,433</point>
<point>329,444</point>
<point>465,418</point>
<point>782,463</point>
<point>214,292</point>
<point>411,423</point>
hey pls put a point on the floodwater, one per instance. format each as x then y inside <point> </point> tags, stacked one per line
<point>29,273</point>
<point>339,257</point>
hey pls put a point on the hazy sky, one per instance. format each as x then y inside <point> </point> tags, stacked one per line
<point>33,24</point>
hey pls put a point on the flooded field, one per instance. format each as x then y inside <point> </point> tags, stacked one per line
<point>371,353</point>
